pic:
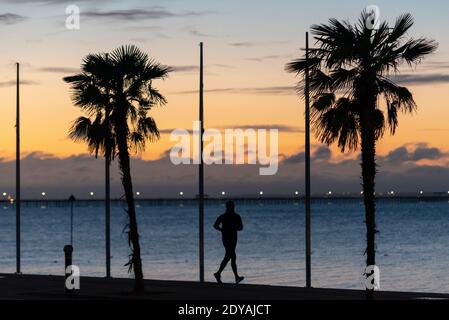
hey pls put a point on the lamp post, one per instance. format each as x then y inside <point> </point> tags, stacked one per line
<point>18,196</point>
<point>307,170</point>
<point>201,170</point>
<point>107,191</point>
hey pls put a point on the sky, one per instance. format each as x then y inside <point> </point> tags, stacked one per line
<point>247,44</point>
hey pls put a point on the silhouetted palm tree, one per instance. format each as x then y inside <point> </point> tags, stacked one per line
<point>355,98</point>
<point>116,93</point>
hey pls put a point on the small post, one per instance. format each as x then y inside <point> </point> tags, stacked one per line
<point>72,200</point>
<point>68,250</point>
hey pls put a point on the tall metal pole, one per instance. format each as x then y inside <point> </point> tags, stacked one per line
<point>71,223</point>
<point>108,215</point>
<point>307,170</point>
<point>108,192</point>
<point>201,171</point>
<point>18,172</point>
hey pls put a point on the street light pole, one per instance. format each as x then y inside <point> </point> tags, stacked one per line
<point>307,170</point>
<point>201,171</point>
<point>108,188</point>
<point>18,271</point>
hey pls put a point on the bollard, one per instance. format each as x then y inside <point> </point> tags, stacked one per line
<point>68,250</point>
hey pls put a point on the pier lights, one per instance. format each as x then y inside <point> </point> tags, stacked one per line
<point>296,193</point>
<point>5,194</point>
<point>421,192</point>
<point>92,194</point>
<point>137,193</point>
<point>329,193</point>
<point>223,193</point>
<point>261,193</point>
<point>43,194</point>
<point>181,193</point>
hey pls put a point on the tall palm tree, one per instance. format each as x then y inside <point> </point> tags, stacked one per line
<point>355,99</point>
<point>115,91</point>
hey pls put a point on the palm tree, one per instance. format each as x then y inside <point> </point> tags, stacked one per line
<point>354,96</point>
<point>115,91</point>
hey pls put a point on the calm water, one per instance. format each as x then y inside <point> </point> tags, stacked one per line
<point>413,243</point>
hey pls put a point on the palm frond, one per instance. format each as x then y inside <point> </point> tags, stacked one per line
<point>339,123</point>
<point>354,63</point>
<point>402,25</point>
<point>80,129</point>
<point>414,50</point>
<point>323,102</point>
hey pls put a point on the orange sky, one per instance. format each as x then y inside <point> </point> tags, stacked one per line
<point>42,42</point>
<point>47,113</point>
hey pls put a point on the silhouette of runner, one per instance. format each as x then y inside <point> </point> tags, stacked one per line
<point>229,224</point>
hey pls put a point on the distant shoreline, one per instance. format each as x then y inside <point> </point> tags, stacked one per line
<point>429,197</point>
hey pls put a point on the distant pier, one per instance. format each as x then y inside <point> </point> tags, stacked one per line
<point>30,203</point>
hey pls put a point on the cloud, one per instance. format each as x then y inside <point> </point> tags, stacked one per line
<point>295,159</point>
<point>243,44</point>
<point>280,127</point>
<point>261,90</point>
<point>11,18</point>
<point>139,14</point>
<point>421,152</point>
<point>49,2</point>
<point>11,83</point>
<point>196,33</point>
<point>196,68</point>
<point>434,65</point>
<point>322,153</point>
<point>398,156</point>
<point>59,70</point>
<point>426,153</point>
<point>78,175</point>
<point>264,58</point>
<point>225,66</point>
<point>249,44</point>
<point>421,79</point>
<point>185,68</point>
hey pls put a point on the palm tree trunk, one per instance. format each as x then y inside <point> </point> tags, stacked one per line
<point>108,212</point>
<point>368,178</point>
<point>133,236</point>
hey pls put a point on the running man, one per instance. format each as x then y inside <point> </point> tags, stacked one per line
<point>229,223</point>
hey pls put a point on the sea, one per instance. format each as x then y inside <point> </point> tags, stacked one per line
<point>412,242</point>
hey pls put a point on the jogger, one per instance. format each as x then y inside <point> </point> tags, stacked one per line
<point>229,223</point>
